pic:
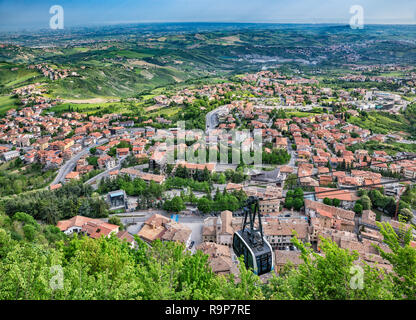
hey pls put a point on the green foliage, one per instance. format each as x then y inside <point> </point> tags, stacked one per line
<point>72,199</point>
<point>204,205</point>
<point>409,115</point>
<point>33,177</point>
<point>93,161</point>
<point>382,202</point>
<point>409,196</point>
<point>23,227</point>
<point>93,150</point>
<point>107,268</point>
<point>277,156</point>
<point>278,114</point>
<point>328,201</point>
<point>390,147</point>
<point>327,277</point>
<point>358,208</point>
<point>91,174</point>
<point>199,175</point>
<point>25,218</point>
<point>236,176</point>
<point>131,161</point>
<point>194,114</point>
<point>406,215</point>
<point>403,259</point>
<point>294,199</point>
<point>116,220</point>
<point>222,201</point>
<point>381,122</point>
<point>366,202</point>
<point>175,205</point>
<point>336,202</point>
<point>291,181</point>
<point>135,187</point>
<point>181,183</point>
<point>29,231</point>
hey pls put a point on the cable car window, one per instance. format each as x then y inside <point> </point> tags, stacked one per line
<point>237,245</point>
<point>246,253</point>
<point>250,261</point>
<point>265,263</point>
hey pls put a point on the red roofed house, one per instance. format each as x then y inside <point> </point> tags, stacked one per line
<point>347,198</point>
<point>72,175</point>
<point>93,228</point>
<point>122,152</point>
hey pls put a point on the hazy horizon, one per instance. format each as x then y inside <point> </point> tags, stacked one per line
<point>30,29</point>
<point>23,14</point>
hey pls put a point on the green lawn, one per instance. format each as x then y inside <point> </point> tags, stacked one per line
<point>91,108</point>
<point>7,103</point>
<point>390,147</point>
<point>381,123</point>
<point>300,114</point>
<point>131,54</point>
<point>167,112</point>
<point>12,79</point>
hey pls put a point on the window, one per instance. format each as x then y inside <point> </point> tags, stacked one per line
<point>237,245</point>
<point>249,260</point>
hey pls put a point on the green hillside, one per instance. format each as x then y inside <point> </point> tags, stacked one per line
<point>14,75</point>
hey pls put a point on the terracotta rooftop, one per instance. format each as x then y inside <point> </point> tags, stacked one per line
<point>343,195</point>
<point>93,227</point>
<point>163,228</point>
<point>72,175</point>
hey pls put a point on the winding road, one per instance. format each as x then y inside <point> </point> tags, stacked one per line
<point>71,163</point>
<point>211,118</point>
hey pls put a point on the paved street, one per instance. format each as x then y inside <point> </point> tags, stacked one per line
<point>211,119</point>
<point>292,155</point>
<point>196,235</point>
<point>177,192</point>
<point>71,163</point>
<point>135,220</point>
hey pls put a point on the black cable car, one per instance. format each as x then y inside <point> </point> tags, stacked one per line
<point>250,242</point>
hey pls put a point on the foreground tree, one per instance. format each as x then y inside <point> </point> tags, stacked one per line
<point>36,263</point>
<point>328,276</point>
<point>403,259</point>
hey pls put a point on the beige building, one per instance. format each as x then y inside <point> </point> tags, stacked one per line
<point>279,232</point>
<point>221,229</point>
<point>269,206</point>
<point>283,257</point>
<point>219,257</point>
<point>368,217</point>
<point>164,229</point>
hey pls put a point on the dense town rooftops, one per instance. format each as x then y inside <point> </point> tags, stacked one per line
<point>343,195</point>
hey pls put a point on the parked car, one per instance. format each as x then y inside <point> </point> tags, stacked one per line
<point>192,244</point>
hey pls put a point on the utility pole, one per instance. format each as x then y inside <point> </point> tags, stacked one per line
<point>399,194</point>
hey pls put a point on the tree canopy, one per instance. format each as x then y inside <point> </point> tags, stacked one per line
<point>38,261</point>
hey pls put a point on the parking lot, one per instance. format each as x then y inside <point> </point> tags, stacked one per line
<point>196,235</point>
